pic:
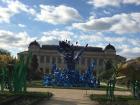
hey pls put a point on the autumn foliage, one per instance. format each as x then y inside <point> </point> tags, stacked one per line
<point>6,58</point>
<point>131,69</point>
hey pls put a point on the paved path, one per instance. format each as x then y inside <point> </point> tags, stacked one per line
<point>71,96</point>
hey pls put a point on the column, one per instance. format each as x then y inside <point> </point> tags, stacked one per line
<point>97,68</point>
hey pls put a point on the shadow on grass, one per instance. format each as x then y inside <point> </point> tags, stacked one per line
<point>59,102</point>
<point>28,98</point>
<point>118,100</point>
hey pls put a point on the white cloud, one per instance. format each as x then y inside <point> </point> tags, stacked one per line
<point>137,2</point>
<point>103,3</point>
<point>92,37</point>
<point>127,47</point>
<point>16,6</point>
<point>106,12</point>
<point>129,52</point>
<point>57,14</point>
<point>52,37</point>
<point>13,7</point>
<point>21,25</point>
<point>19,41</point>
<point>5,15</point>
<point>120,23</point>
<point>99,37</point>
<point>52,14</point>
<point>11,40</point>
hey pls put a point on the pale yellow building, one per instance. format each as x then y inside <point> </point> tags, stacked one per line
<point>48,55</point>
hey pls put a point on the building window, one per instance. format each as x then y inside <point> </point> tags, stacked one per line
<point>59,60</point>
<point>88,61</point>
<point>100,61</point>
<point>47,59</point>
<point>83,61</point>
<point>53,60</point>
<point>41,59</point>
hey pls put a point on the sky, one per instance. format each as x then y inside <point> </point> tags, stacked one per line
<point>96,22</point>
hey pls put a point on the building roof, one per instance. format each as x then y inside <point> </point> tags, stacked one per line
<point>95,49</point>
<point>35,43</point>
<point>23,52</point>
<point>49,47</point>
<point>120,58</point>
<point>109,46</point>
<point>55,47</point>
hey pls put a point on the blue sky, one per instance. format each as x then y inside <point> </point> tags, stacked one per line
<point>96,22</point>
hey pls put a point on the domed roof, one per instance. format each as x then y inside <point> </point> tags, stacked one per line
<point>34,43</point>
<point>109,46</point>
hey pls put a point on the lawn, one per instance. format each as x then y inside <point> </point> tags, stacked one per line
<point>4,96</point>
<point>39,84</point>
<point>35,83</point>
<point>28,98</point>
<point>118,100</point>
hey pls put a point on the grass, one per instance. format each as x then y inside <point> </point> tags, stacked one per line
<point>32,94</point>
<point>5,95</point>
<point>28,98</point>
<point>39,84</point>
<point>118,100</point>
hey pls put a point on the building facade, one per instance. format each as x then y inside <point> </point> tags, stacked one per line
<point>48,55</point>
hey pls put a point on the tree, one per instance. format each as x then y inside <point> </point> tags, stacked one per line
<point>131,69</point>
<point>138,58</point>
<point>108,72</point>
<point>6,58</point>
<point>4,52</point>
<point>32,72</point>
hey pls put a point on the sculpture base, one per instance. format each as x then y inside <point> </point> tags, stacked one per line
<point>70,78</point>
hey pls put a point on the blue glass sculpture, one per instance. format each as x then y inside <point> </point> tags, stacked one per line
<point>70,77</point>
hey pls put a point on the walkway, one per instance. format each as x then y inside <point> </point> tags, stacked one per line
<point>71,96</point>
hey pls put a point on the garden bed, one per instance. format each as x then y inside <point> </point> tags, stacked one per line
<point>30,98</point>
<point>118,100</point>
